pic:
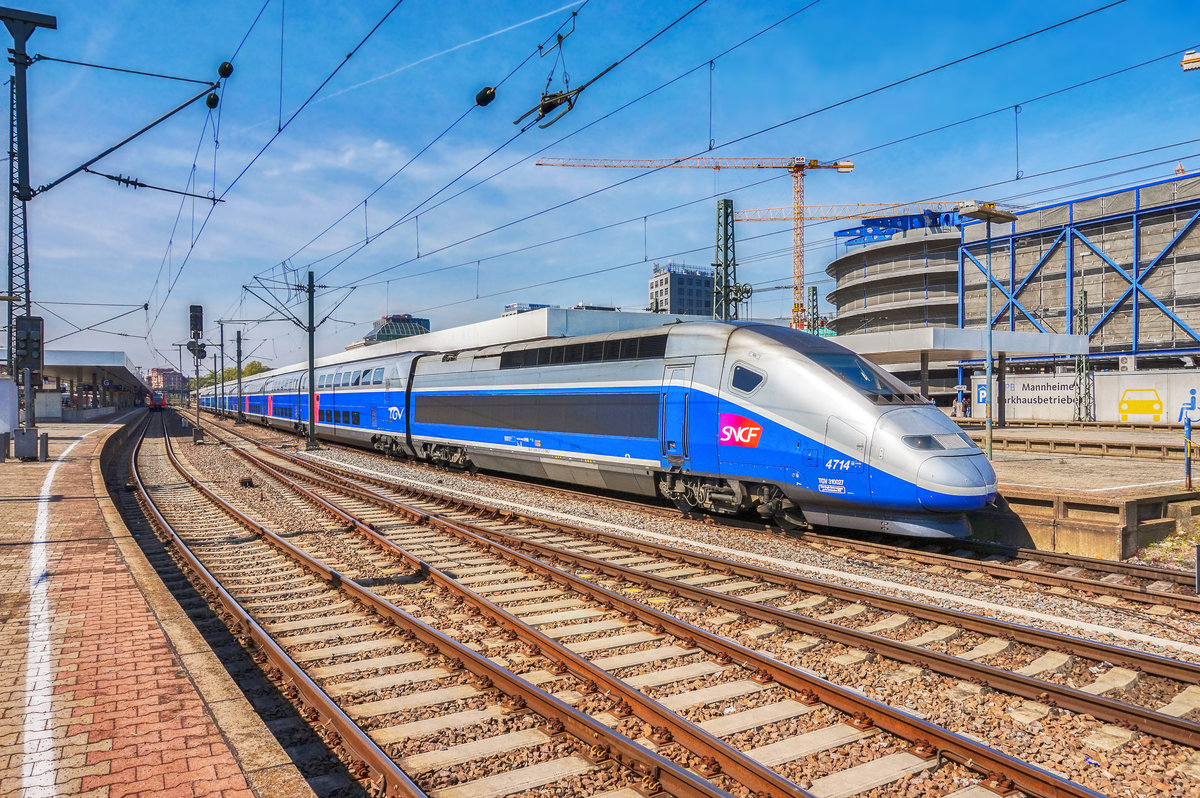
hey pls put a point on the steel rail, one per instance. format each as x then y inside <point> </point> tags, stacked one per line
<point>1135,570</point>
<point>388,778</point>
<point>1152,664</point>
<point>1028,778</point>
<point>722,756</point>
<point>1143,719</point>
<point>656,771</point>
<point>1093,586</point>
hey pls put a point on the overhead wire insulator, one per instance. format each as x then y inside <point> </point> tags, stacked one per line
<point>485,96</point>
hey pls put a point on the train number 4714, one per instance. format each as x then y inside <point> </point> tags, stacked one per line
<point>834,464</point>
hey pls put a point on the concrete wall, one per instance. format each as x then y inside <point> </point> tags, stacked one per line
<point>1051,397</point>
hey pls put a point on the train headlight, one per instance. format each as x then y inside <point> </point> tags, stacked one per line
<point>924,443</point>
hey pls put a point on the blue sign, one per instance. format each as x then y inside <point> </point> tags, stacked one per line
<point>106,383</point>
<point>981,394</point>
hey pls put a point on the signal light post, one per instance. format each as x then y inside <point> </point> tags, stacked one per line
<point>196,323</point>
<point>988,212</point>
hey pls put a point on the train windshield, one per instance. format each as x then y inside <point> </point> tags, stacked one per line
<point>859,372</point>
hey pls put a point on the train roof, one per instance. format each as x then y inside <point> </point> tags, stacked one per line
<point>535,325</point>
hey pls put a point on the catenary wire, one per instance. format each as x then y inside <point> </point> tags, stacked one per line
<point>430,144</point>
<point>588,125</point>
<point>416,209</point>
<point>268,143</point>
<point>769,128</point>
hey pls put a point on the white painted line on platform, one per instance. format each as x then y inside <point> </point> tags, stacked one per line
<point>788,564</point>
<point>39,764</point>
<point>1091,490</point>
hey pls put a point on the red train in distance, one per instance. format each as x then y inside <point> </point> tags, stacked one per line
<point>157,402</point>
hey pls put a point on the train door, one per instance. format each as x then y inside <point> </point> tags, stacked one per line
<point>842,471</point>
<point>674,404</point>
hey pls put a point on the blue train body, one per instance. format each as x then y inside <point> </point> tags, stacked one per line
<point>727,418</point>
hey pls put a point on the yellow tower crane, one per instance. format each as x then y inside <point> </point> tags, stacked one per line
<point>853,210</point>
<point>796,166</point>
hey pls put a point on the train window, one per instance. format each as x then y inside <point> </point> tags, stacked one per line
<point>366,377</point>
<point>593,351</point>
<point>629,348</point>
<point>377,378</point>
<point>652,346</point>
<point>355,378</point>
<point>612,350</point>
<point>354,417</point>
<point>573,353</point>
<point>745,380</point>
<point>512,360</point>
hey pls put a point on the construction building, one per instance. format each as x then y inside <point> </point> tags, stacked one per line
<point>682,290</point>
<point>1122,267</point>
<point>1133,255</point>
<point>908,281</point>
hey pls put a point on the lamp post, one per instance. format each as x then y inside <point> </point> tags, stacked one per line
<point>987,212</point>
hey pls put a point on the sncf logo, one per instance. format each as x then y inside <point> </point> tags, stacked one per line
<point>738,431</point>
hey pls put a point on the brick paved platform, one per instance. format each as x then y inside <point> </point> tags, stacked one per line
<point>105,687</point>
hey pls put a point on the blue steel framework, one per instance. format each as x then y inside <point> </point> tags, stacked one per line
<point>1069,236</point>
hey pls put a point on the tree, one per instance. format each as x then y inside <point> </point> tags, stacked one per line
<point>230,374</point>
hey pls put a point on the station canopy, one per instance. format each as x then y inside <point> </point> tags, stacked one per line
<point>92,368</point>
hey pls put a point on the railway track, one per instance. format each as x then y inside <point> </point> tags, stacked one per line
<point>766,724</point>
<point>396,693</point>
<point>1044,664</point>
<point>492,537</point>
<point>1133,584</point>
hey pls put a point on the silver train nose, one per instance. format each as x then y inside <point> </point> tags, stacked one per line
<point>956,483</point>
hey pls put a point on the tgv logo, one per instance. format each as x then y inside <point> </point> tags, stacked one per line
<point>738,431</point>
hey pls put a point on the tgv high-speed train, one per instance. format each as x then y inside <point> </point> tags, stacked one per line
<point>724,417</point>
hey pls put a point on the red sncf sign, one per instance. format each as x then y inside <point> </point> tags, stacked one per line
<point>737,430</point>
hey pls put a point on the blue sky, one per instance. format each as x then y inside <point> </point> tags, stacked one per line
<point>93,241</point>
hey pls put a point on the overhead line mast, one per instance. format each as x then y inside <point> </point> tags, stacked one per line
<point>795,166</point>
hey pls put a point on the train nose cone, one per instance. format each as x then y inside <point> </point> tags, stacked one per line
<point>955,484</point>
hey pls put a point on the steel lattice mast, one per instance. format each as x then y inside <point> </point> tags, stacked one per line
<point>18,261</point>
<point>21,24</point>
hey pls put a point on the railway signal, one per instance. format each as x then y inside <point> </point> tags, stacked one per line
<point>196,326</point>
<point>28,352</point>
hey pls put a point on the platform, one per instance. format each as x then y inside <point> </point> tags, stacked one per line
<point>1098,506</point>
<point>106,688</point>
